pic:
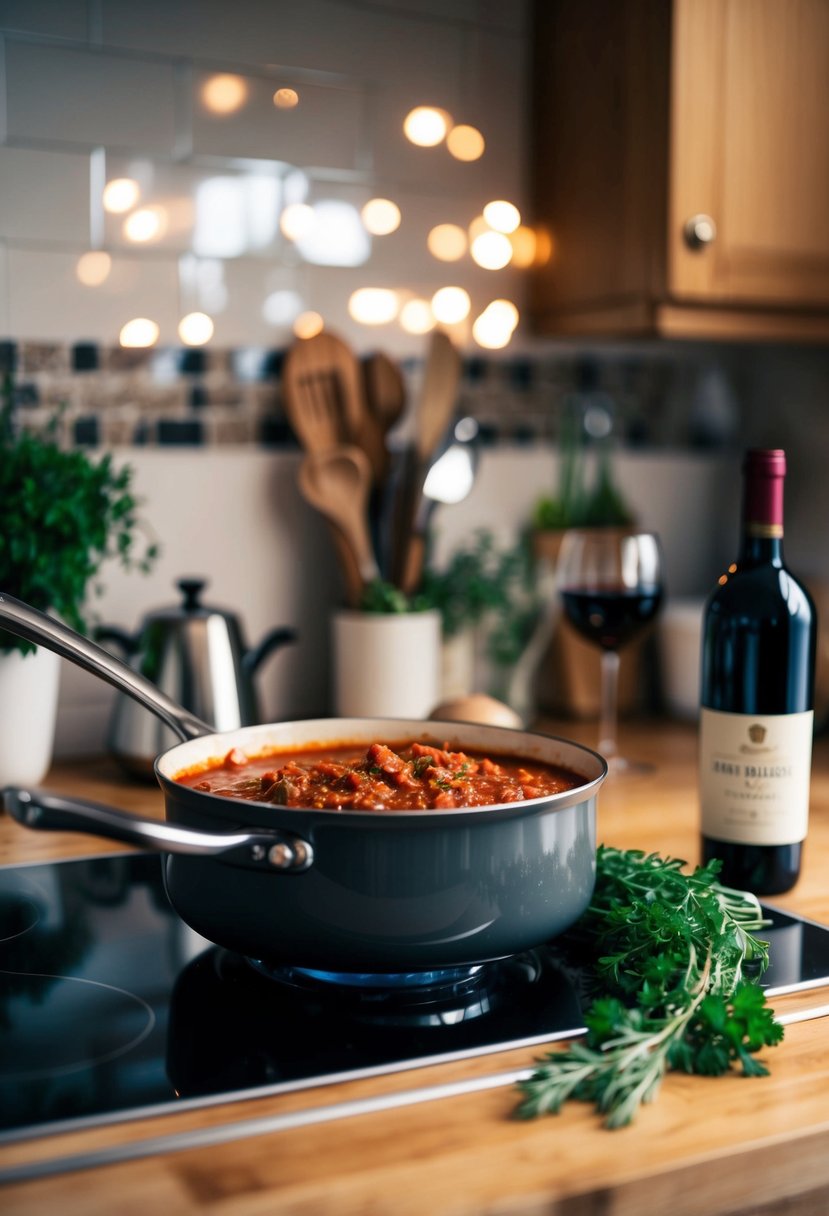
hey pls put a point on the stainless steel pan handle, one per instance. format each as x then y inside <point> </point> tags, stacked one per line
<point>26,622</point>
<point>279,851</point>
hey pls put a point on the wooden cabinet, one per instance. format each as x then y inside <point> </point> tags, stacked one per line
<point>680,167</point>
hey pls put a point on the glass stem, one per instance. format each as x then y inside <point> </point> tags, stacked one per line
<point>609,703</point>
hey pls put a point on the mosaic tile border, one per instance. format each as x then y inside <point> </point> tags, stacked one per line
<point>188,397</point>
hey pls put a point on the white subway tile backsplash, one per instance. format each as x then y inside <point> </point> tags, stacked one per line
<point>46,298</point>
<point>5,320</point>
<point>51,18</point>
<point>323,130</point>
<point>44,196</point>
<point>444,10</point>
<point>58,95</point>
<point>314,36</point>
<point>208,207</point>
<point>3,89</point>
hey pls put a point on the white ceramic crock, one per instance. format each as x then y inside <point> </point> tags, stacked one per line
<point>28,710</point>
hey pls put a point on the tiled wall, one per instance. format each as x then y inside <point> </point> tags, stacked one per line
<point>96,89</point>
<point>659,395</point>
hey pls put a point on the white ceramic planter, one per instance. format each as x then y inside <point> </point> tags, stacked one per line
<point>386,665</point>
<point>680,648</point>
<point>28,710</point>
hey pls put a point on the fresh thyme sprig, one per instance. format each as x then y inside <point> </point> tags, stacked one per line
<point>672,950</point>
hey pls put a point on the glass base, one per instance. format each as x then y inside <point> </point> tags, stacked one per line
<point>622,766</point>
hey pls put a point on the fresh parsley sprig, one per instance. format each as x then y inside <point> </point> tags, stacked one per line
<point>672,951</point>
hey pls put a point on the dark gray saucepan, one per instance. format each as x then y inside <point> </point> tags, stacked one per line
<point>344,891</point>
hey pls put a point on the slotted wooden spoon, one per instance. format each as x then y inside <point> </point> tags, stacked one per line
<point>337,482</point>
<point>324,400</point>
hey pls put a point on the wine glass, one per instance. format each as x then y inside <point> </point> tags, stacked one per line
<point>611,586</point>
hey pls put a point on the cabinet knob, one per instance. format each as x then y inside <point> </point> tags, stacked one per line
<point>699,231</point>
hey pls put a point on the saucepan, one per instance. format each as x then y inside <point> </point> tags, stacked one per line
<point>367,892</point>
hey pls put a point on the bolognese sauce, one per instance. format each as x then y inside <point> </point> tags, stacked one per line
<point>407,776</point>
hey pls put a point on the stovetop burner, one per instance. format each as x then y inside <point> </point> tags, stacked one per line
<point>112,1008</point>
<point>408,998</point>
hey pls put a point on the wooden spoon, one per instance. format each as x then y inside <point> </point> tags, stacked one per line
<point>337,482</point>
<point>385,389</point>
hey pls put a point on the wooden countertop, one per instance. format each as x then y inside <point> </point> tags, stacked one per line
<point>729,1145</point>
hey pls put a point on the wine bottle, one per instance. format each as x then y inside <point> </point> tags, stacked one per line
<point>758,661</point>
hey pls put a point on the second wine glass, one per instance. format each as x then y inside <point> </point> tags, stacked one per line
<point>611,586</point>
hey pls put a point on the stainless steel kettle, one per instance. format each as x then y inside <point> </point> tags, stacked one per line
<point>196,654</point>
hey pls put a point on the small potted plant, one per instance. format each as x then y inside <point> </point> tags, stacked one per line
<point>568,680</point>
<point>63,514</point>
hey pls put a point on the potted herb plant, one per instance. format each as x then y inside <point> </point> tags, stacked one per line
<point>568,678</point>
<point>63,514</point>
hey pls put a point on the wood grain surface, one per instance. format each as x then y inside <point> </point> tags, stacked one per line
<point>728,1145</point>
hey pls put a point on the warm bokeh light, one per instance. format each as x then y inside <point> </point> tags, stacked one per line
<point>148,224</point>
<point>465,143</point>
<point>195,329</point>
<point>381,216</point>
<point>286,99</point>
<point>477,226</point>
<point>308,324</point>
<point>451,304</point>
<point>139,332</point>
<point>502,216</point>
<point>93,268</point>
<point>373,305</point>
<point>505,311</point>
<point>523,247</point>
<point>426,126</point>
<point>224,93</point>
<point>296,220</point>
<point>494,328</point>
<point>491,250</point>
<point>416,317</point>
<point>447,242</point>
<point>544,246</point>
<point>120,195</point>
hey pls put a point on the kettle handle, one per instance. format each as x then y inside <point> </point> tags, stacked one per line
<point>273,639</point>
<point>128,642</point>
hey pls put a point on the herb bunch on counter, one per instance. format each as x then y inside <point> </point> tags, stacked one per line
<point>672,950</point>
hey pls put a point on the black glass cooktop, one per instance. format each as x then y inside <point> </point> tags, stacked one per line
<point>112,1008</point>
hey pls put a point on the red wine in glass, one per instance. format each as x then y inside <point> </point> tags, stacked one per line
<point>610,581</point>
<point>611,616</point>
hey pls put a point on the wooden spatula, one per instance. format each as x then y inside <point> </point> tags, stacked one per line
<point>433,415</point>
<point>337,482</point>
<point>438,396</point>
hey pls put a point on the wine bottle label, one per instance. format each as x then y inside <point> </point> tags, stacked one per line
<point>754,776</point>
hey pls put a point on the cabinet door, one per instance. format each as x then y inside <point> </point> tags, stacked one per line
<point>750,150</point>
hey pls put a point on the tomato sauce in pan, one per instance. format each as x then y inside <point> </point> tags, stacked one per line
<point>408,776</point>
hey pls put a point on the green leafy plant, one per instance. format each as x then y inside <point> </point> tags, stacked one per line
<point>577,505</point>
<point>63,514</point>
<point>672,955</point>
<point>485,584</point>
